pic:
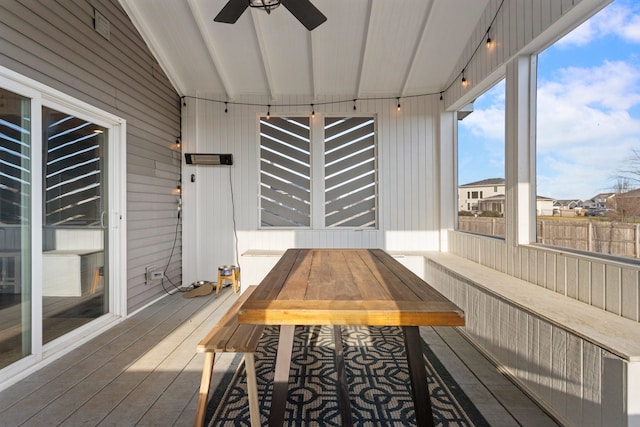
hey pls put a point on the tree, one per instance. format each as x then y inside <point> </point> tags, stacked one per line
<point>626,201</point>
<point>630,172</point>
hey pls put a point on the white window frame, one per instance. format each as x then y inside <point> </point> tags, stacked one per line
<point>317,153</point>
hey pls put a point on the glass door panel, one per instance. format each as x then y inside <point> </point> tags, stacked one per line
<point>74,264</point>
<point>15,236</point>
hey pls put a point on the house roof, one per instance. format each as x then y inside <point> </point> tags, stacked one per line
<point>364,49</point>
<point>485,182</point>
<point>502,197</point>
<point>602,196</point>
<point>631,193</point>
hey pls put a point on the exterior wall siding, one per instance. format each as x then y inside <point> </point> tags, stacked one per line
<point>55,43</point>
<point>406,181</point>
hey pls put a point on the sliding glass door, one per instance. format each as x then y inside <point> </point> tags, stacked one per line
<point>75,221</point>
<point>15,236</point>
<point>62,202</point>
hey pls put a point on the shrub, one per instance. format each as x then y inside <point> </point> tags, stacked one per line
<point>490,214</point>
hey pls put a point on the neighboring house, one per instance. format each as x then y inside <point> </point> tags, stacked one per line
<point>489,195</point>
<point>567,204</point>
<point>492,204</point>
<point>599,201</point>
<point>544,205</point>
<point>469,195</point>
<point>626,204</point>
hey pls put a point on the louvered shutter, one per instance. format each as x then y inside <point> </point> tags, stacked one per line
<point>285,172</point>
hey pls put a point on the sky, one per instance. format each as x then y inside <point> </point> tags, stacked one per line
<point>588,116</point>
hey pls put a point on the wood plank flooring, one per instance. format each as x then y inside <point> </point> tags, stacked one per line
<point>146,372</point>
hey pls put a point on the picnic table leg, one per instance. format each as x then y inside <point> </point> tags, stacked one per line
<point>205,383</point>
<point>252,389</point>
<point>281,375</point>
<point>418,374</point>
<point>343,388</point>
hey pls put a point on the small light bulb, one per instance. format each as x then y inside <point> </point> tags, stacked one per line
<point>398,104</point>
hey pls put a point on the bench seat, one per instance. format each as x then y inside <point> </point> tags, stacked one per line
<point>230,336</point>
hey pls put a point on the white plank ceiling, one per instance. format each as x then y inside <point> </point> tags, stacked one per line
<point>366,48</point>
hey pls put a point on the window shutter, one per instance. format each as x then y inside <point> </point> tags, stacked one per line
<point>285,172</point>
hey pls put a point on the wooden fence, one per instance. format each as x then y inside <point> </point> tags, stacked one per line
<point>614,238</point>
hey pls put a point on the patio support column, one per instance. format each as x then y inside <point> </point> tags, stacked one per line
<point>520,156</point>
<point>447,175</point>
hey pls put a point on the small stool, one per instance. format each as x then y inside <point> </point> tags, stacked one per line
<point>229,272</point>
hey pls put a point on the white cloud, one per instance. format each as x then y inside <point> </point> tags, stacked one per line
<point>482,155</point>
<point>619,19</point>
<point>585,129</point>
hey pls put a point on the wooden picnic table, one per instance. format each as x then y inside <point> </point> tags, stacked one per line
<point>347,287</point>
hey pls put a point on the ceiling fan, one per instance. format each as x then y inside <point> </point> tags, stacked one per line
<point>303,10</point>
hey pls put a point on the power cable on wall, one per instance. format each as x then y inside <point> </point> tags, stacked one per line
<point>233,217</point>
<point>173,248</point>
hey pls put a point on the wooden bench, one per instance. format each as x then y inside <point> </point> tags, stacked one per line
<point>229,336</point>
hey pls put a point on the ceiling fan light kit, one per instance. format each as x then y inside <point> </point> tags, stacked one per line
<point>303,10</point>
<point>267,5</point>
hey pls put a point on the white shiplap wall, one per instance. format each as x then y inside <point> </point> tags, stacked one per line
<point>577,381</point>
<point>55,43</point>
<point>407,181</point>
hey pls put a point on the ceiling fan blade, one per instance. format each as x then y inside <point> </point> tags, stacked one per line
<point>232,11</point>
<point>305,12</point>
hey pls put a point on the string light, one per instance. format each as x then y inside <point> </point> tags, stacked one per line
<point>489,42</point>
<point>226,110</point>
<point>313,111</point>
<point>178,143</point>
<point>398,103</point>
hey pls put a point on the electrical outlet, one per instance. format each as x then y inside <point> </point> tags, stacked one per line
<point>152,273</point>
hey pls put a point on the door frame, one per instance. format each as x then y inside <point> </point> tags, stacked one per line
<point>42,95</point>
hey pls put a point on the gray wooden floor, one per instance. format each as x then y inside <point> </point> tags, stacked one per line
<point>145,372</point>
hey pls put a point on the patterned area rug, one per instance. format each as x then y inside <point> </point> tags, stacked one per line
<point>377,373</point>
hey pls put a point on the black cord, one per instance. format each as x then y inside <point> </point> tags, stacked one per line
<point>233,216</point>
<point>482,40</point>
<point>173,248</point>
